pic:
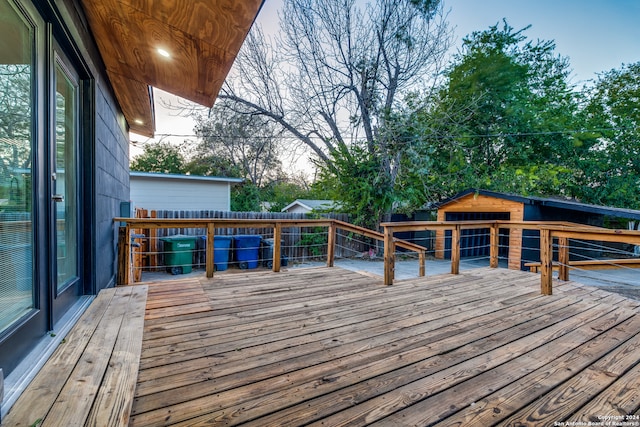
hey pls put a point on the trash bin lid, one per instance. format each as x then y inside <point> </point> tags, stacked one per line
<point>218,237</point>
<point>177,237</point>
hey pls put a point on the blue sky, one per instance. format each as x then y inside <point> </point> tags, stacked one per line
<point>596,35</point>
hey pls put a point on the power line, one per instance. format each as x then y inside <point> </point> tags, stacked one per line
<point>403,139</point>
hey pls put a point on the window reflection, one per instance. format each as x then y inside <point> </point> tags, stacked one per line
<point>16,130</point>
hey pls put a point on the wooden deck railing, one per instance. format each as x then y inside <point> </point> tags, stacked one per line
<point>560,232</point>
<point>130,224</point>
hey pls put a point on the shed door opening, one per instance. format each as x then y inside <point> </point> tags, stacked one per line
<point>475,243</point>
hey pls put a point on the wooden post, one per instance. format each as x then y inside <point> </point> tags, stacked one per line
<point>563,258</point>
<point>422,260</point>
<point>455,250</point>
<point>122,257</point>
<point>493,248</point>
<point>153,245</point>
<point>389,256</point>
<point>546,262</point>
<point>331,244</point>
<point>209,264</point>
<point>277,236</point>
<point>127,273</point>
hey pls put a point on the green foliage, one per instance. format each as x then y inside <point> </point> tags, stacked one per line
<point>245,197</point>
<point>280,193</point>
<point>314,241</point>
<point>161,157</point>
<point>610,169</point>
<point>237,144</point>
<point>212,166</point>
<point>502,120</point>
<point>362,185</point>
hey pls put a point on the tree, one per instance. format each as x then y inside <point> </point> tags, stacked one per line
<point>243,145</point>
<point>162,157</point>
<point>284,190</point>
<point>15,134</point>
<point>610,170</point>
<point>505,119</point>
<point>338,72</point>
<point>245,197</point>
<point>15,115</point>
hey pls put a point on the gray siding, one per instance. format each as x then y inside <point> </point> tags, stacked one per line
<point>111,182</point>
<point>160,193</point>
<point>109,151</point>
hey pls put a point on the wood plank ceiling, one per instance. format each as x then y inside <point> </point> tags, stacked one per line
<point>201,37</point>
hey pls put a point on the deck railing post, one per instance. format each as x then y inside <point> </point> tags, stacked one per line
<point>153,244</point>
<point>389,255</point>
<point>422,259</point>
<point>277,246</point>
<point>455,250</point>
<point>331,244</point>
<point>563,258</point>
<point>493,245</point>
<point>546,262</point>
<point>123,255</point>
<point>210,257</point>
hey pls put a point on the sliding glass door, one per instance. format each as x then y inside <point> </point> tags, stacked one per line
<point>64,146</point>
<point>17,142</point>
<point>40,164</point>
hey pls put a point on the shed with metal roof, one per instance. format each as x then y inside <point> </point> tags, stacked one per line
<point>517,245</point>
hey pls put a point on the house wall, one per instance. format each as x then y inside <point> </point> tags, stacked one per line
<point>157,193</point>
<point>111,174</point>
<point>107,175</point>
<point>298,209</point>
<point>481,203</point>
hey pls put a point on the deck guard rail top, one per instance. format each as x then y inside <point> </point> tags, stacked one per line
<point>552,235</point>
<point>128,225</point>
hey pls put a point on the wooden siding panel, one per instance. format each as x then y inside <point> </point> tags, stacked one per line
<point>482,203</point>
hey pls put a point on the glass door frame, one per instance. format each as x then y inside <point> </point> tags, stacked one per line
<point>29,329</point>
<point>51,308</point>
<point>61,299</point>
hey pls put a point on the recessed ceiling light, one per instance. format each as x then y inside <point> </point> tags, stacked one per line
<point>164,53</point>
<point>138,122</point>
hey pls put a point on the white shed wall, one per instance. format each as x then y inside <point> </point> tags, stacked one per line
<point>180,194</point>
<point>298,209</point>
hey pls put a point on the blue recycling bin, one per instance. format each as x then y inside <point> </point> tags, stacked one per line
<point>247,248</point>
<point>221,249</point>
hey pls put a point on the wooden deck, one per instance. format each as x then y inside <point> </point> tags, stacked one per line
<point>329,347</point>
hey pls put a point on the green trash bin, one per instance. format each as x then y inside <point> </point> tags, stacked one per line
<point>178,253</point>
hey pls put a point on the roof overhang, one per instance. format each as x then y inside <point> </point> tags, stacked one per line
<point>201,37</point>
<point>165,176</point>
<point>548,202</point>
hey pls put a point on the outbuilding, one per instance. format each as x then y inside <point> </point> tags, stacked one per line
<point>519,246</point>
<point>307,206</point>
<point>161,191</point>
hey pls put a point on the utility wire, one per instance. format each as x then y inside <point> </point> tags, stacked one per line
<point>401,139</point>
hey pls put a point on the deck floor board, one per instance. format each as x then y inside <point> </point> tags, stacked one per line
<point>330,347</point>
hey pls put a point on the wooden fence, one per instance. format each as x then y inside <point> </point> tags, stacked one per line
<point>297,242</point>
